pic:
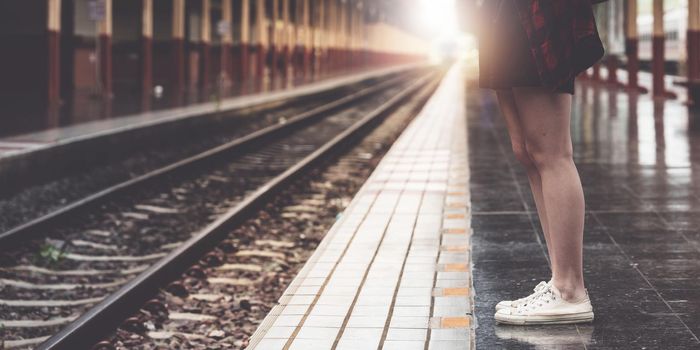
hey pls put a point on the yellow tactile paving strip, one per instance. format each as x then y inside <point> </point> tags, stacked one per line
<point>395,270</point>
<point>454,322</point>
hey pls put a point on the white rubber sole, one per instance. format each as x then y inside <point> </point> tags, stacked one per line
<point>500,307</point>
<point>583,317</point>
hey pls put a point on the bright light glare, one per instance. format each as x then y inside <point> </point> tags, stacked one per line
<point>437,18</point>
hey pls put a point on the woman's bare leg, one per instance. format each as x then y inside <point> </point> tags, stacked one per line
<point>509,110</point>
<point>545,119</point>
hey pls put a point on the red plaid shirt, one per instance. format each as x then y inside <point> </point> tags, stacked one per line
<point>563,37</point>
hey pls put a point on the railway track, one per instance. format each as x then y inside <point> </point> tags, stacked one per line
<point>106,166</point>
<point>89,269</point>
<point>171,157</point>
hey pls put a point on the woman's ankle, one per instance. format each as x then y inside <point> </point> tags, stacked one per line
<point>571,291</point>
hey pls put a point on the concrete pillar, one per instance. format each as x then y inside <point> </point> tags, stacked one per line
<point>337,23</point>
<point>245,40</point>
<point>632,46</point>
<point>658,51</point>
<point>285,42</point>
<point>205,46</point>
<point>693,40</point>
<point>296,38</point>
<point>178,49</point>
<point>596,72</point>
<point>611,26</point>
<point>307,43</point>
<point>53,27</point>
<point>104,32</point>
<point>356,34</point>
<point>363,35</point>
<point>612,63</point>
<point>274,38</point>
<point>263,40</point>
<point>320,38</point>
<point>342,34</point>
<point>350,30</point>
<point>347,33</point>
<point>332,35</point>
<point>352,17</point>
<point>146,53</point>
<point>359,11</point>
<point>371,45</point>
<point>226,70</point>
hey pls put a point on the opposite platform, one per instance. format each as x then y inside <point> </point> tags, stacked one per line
<point>61,149</point>
<point>394,272</point>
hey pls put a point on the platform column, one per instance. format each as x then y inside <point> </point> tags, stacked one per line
<point>245,41</point>
<point>274,39</point>
<point>352,27</point>
<point>349,27</point>
<point>632,46</point>
<point>226,71</point>
<point>262,39</point>
<point>178,49</point>
<point>693,40</point>
<point>358,34</point>
<point>363,36</point>
<point>296,39</point>
<point>104,32</point>
<point>307,43</point>
<point>285,41</point>
<point>342,34</point>
<point>337,35</point>
<point>146,53</point>
<point>596,72</point>
<point>53,27</point>
<point>340,53</point>
<point>612,63</point>
<point>350,35</point>
<point>319,38</point>
<point>331,35</point>
<point>615,37</point>
<point>658,52</point>
<point>204,47</point>
<point>370,46</point>
<point>361,33</point>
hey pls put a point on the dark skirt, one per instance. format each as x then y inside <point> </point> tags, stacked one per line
<point>505,59</point>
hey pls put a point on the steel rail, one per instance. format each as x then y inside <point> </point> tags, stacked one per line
<point>31,229</point>
<point>103,318</point>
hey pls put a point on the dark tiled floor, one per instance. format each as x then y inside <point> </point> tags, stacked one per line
<point>640,164</point>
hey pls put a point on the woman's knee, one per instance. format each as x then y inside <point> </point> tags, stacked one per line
<point>543,155</point>
<point>522,155</point>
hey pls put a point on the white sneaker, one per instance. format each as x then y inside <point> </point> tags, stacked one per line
<point>547,307</point>
<point>505,304</point>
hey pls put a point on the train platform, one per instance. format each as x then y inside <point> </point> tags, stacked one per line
<point>446,227</point>
<point>394,271</point>
<point>56,148</point>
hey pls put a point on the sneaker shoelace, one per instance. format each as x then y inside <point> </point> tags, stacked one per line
<point>540,286</point>
<point>538,289</point>
<point>542,298</point>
